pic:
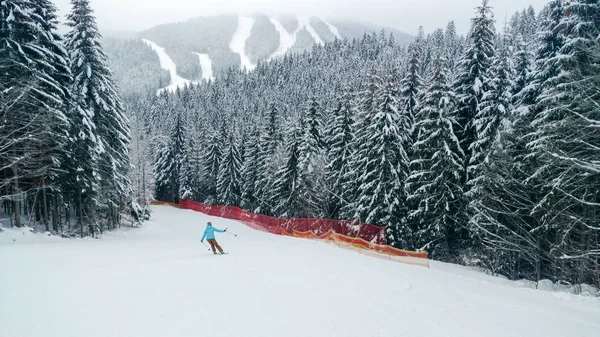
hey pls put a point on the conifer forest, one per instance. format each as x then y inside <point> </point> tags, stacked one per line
<point>482,149</point>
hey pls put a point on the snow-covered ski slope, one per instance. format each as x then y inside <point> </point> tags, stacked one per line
<point>287,39</point>
<point>238,41</point>
<point>160,281</point>
<point>167,63</point>
<point>206,66</point>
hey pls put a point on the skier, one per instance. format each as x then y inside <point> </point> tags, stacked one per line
<point>209,234</point>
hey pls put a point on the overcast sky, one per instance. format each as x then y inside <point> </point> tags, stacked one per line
<point>405,15</point>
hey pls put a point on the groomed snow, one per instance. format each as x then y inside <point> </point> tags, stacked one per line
<point>287,39</point>
<point>333,29</point>
<point>167,64</point>
<point>304,21</point>
<point>206,66</point>
<point>238,41</point>
<point>159,281</point>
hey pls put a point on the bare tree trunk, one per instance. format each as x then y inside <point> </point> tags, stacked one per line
<point>55,212</point>
<point>45,203</point>
<point>17,197</point>
<point>80,215</point>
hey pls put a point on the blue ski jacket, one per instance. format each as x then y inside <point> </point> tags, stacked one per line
<point>209,232</point>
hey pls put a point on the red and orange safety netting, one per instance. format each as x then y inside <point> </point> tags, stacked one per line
<point>363,238</point>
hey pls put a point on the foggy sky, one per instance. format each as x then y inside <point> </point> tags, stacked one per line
<point>405,15</point>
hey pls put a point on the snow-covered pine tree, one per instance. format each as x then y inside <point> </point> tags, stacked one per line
<point>142,177</point>
<point>169,162</point>
<point>492,112</point>
<point>312,162</point>
<point>188,166</point>
<point>411,91</point>
<point>229,179</point>
<point>211,162</point>
<point>522,61</point>
<point>567,129</point>
<point>381,198</point>
<point>97,94</point>
<point>339,140</point>
<point>365,112</point>
<point>489,163</point>
<point>250,170</point>
<point>473,78</point>
<point>33,100</point>
<point>453,51</point>
<point>270,141</point>
<point>287,196</point>
<point>434,185</point>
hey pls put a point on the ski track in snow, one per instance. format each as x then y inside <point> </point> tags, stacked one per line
<point>167,64</point>
<point>287,39</point>
<point>333,29</point>
<point>206,66</point>
<point>159,280</point>
<point>304,21</point>
<point>238,41</point>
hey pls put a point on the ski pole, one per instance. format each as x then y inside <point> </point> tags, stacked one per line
<point>230,232</point>
<point>205,245</point>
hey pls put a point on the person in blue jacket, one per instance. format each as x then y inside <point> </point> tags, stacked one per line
<point>209,234</point>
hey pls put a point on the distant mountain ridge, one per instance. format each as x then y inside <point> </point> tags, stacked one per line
<point>201,48</point>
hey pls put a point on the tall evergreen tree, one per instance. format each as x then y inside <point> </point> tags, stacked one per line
<point>97,95</point>
<point>312,161</point>
<point>365,112</point>
<point>288,195</point>
<point>34,95</point>
<point>270,141</point>
<point>250,171</point>
<point>211,160</point>
<point>381,198</point>
<point>434,184</point>
<point>493,110</point>
<point>169,163</point>
<point>473,79</point>
<point>339,140</point>
<point>229,179</point>
<point>411,91</point>
<point>568,115</point>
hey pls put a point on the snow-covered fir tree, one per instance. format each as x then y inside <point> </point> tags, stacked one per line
<point>288,190</point>
<point>34,82</point>
<point>381,196</point>
<point>270,142</point>
<point>229,179</point>
<point>434,185</point>
<point>97,95</point>
<point>312,161</point>
<point>250,171</point>
<point>474,76</point>
<point>211,161</point>
<point>492,112</point>
<point>169,163</point>
<point>339,140</point>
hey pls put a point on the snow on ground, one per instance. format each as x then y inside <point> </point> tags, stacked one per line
<point>159,281</point>
<point>333,29</point>
<point>167,64</point>
<point>238,41</point>
<point>206,66</point>
<point>304,21</point>
<point>286,40</point>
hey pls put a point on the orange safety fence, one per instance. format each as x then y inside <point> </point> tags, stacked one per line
<point>164,203</point>
<point>366,239</point>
